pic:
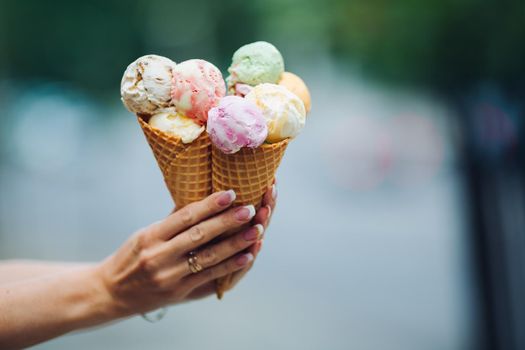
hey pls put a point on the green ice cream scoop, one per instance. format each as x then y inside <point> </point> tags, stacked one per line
<point>256,63</point>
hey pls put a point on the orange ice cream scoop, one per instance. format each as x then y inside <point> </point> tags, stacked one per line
<point>296,85</point>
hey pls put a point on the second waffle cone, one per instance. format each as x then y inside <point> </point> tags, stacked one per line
<point>249,173</point>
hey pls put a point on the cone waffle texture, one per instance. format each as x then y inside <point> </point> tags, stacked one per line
<point>186,167</point>
<point>249,173</point>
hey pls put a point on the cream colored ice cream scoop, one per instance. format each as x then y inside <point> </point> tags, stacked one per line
<point>146,84</point>
<point>284,112</point>
<point>176,124</point>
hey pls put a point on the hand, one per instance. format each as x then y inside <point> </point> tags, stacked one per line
<point>263,217</point>
<point>151,269</point>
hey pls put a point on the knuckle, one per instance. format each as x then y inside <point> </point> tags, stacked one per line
<point>153,229</point>
<point>187,215</point>
<point>209,256</point>
<point>210,204</point>
<point>147,263</point>
<point>138,242</point>
<point>196,233</point>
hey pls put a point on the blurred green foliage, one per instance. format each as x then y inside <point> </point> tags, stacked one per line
<point>449,45</point>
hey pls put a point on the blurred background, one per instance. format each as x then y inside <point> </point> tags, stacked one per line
<point>401,216</point>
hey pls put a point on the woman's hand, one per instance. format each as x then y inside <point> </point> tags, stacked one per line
<point>151,269</point>
<point>148,271</point>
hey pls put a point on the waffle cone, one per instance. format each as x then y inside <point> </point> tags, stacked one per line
<point>249,173</point>
<point>186,167</point>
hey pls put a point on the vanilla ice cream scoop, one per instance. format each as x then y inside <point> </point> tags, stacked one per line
<point>284,112</point>
<point>146,84</point>
<point>176,124</point>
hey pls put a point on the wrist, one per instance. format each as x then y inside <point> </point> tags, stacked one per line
<point>104,304</point>
<point>91,303</point>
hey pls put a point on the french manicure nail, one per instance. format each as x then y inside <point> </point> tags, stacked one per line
<point>253,233</point>
<point>245,213</point>
<point>226,198</point>
<point>274,192</point>
<point>269,212</point>
<point>244,259</point>
<point>260,230</point>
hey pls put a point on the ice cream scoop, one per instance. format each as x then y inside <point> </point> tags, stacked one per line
<point>296,85</point>
<point>146,84</point>
<point>197,87</point>
<point>236,123</point>
<point>284,112</point>
<point>255,63</point>
<point>176,124</point>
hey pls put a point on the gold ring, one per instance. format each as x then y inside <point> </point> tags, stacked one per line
<point>194,266</point>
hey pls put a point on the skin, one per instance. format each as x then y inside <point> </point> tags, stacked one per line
<point>40,301</point>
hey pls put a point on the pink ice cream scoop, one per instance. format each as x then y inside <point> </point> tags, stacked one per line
<point>197,87</point>
<point>236,123</point>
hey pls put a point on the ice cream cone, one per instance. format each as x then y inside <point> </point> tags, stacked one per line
<point>249,173</point>
<point>186,167</point>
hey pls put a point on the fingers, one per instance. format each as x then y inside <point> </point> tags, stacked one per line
<point>216,253</point>
<point>263,216</point>
<point>212,255</point>
<point>270,197</point>
<point>202,291</point>
<point>207,230</point>
<point>225,268</point>
<point>268,204</point>
<point>193,213</point>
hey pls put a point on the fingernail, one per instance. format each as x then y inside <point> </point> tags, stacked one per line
<point>274,192</point>
<point>269,215</point>
<point>245,213</point>
<point>253,233</point>
<point>226,198</point>
<point>244,259</point>
<point>260,230</point>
